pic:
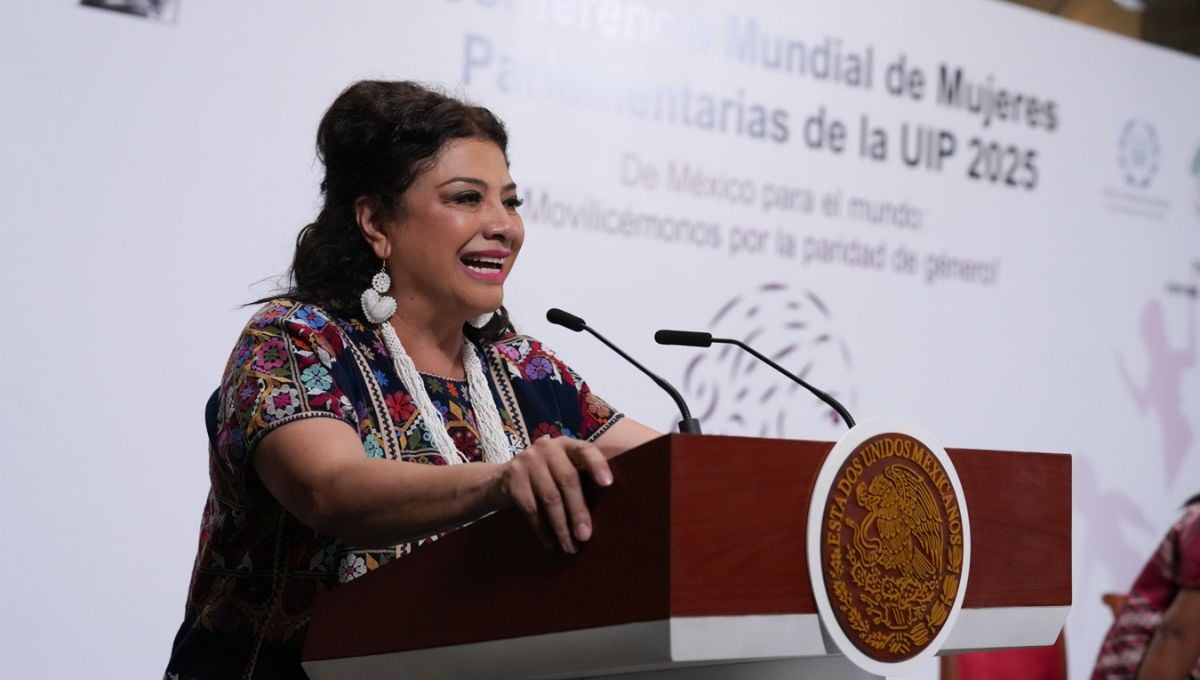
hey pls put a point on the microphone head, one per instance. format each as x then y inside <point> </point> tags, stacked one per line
<point>687,338</point>
<point>567,320</point>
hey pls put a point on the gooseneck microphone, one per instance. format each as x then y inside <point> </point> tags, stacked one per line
<point>558,317</point>
<point>699,339</point>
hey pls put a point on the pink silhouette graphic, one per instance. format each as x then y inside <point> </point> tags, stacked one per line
<point>1111,515</point>
<point>1162,391</point>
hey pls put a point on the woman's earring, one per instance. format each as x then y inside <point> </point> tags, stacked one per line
<point>377,306</point>
<point>482,320</point>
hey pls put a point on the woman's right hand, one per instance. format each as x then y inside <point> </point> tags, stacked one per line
<point>543,482</point>
<point>316,469</point>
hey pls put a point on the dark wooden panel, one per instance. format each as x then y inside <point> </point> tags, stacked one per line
<point>493,580</point>
<point>693,526</point>
<point>738,525</point>
<point>1020,508</point>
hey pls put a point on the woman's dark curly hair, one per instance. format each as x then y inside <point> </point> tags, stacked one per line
<point>374,141</point>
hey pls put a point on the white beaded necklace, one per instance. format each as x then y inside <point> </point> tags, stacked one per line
<point>496,446</point>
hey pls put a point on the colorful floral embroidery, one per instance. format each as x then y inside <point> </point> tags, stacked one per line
<point>282,402</point>
<point>538,367</point>
<point>545,430</point>
<point>352,567</point>
<point>269,356</point>
<point>316,378</point>
<point>400,406</point>
<point>373,447</point>
<point>259,568</point>
<point>311,318</point>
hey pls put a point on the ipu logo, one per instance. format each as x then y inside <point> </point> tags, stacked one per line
<point>734,394</point>
<point>1138,154</point>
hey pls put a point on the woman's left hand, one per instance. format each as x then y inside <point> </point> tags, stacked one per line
<point>543,482</point>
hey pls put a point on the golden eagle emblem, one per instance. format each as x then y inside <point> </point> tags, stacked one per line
<point>892,551</point>
<point>902,530</point>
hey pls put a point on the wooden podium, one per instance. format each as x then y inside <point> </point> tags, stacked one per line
<point>697,569</point>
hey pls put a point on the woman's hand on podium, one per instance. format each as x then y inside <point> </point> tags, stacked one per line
<point>543,482</point>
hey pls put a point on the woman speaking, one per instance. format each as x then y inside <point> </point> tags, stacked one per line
<point>385,396</point>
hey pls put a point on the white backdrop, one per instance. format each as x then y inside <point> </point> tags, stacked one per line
<point>679,174</point>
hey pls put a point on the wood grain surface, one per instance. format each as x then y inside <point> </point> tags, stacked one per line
<point>693,526</point>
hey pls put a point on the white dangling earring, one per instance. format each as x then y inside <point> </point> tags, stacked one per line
<point>482,320</point>
<point>377,306</point>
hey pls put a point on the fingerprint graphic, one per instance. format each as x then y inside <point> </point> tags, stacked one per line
<point>733,393</point>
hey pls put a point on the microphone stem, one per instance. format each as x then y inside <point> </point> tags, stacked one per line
<point>833,403</point>
<point>688,425</point>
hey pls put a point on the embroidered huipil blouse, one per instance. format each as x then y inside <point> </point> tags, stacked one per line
<point>258,568</point>
<point>1174,566</point>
